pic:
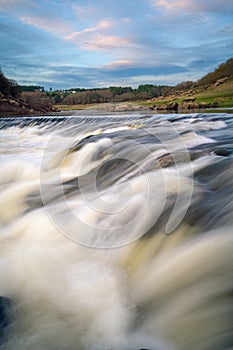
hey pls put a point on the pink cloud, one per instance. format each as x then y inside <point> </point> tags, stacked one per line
<point>112,41</point>
<point>119,64</point>
<point>106,42</point>
<point>55,27</point>
<point>102,25</point>
<point>97,37</point>
<point>175,5</point>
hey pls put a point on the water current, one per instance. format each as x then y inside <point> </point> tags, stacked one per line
<point>116,232</point>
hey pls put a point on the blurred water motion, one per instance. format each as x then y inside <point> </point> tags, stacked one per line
<point>116,232</point>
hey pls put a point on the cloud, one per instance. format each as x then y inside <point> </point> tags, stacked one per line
<point>83,11</point>
<point>13,43</point>
<point>102,42</point>
<point>143,70</point>
<point>39,15</point>
<point>97,37</point>
<point>174,5</point>
<point>189,6</point>
<point>102,25</point>
<point>119,64</point>
<point>223,6</point>
<point>11,5</point>
<point>53,26</point>
<point>99,42</point>
<point>63,76</point>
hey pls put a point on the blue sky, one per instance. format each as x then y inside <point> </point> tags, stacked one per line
<point>98,43</point>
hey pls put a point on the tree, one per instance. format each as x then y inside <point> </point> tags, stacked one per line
<point>5,85</point>
<point>14,89</point>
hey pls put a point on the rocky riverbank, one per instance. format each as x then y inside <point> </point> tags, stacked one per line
<point>186,104</point>
<point>118,107</point>
<point>10,106</point>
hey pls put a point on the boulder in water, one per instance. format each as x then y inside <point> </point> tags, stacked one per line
<point>5,316</point>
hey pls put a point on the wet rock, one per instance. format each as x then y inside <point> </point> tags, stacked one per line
<point>5,311</point>
<point>171,106</point>
<point>223,152</point>
<point>169,160</point>
<point>5,316</point>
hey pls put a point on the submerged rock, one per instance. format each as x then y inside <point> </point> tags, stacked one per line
<point>223,152</point>
<point>5,316</point>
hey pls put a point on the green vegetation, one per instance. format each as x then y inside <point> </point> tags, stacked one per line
<point>215,87</point>
<point>31,88</point>
<point>78,96</point>
<point>223,71</point>
<point>222,94</point>
<point>8,87</point>
<point>16,100</point>
<point>223,98</point>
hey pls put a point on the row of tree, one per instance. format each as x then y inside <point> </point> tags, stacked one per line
<point>31,88</point>
<point>143,92</point>
<point>112,94</point>
<point>9,87</point>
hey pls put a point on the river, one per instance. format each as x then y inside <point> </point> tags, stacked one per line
<point>116,232</point>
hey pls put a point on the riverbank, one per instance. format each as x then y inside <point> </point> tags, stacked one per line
<point>200,99</point>
<point>10,106</point>
<point>218,95</point>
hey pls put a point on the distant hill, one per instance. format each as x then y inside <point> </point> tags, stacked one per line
<point>225,70</point>
<point>215,89</point>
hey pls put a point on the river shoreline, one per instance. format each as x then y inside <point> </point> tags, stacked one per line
<point>108,108</point>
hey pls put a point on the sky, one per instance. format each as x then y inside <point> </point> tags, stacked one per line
<point>101,43</point>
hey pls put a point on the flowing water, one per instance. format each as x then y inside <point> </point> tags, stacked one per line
<point>116,232</point>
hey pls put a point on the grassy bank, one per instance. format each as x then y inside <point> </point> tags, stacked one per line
<point>222,94</point>
<point>224,97</point>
